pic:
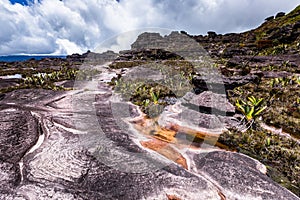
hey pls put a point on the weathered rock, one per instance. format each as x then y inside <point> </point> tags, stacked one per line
<point>18,133</point>
<point>269,18</point>
<point>144,72</point>
<point>85,146</point>
<point>176,43</point>
<point>10,177</point>
<point>210,102</point>
<point>259,62</point>
<point>5,83</point>
<point>222,166</point>
<point>90,151</point>
<point>219,84</point>
<point>280,14</point>
<point>207,113</point>
<point>229,52</point>
<point>147,54</point>
<point>212,34</point>
<point>75,169</point>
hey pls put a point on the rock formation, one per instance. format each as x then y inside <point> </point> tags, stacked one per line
<point>94,142</point>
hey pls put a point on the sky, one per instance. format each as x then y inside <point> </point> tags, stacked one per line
<point>75,26</point>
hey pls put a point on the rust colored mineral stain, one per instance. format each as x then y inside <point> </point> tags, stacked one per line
<point>162,139</point>
<point>149,127</point>
<point>172,197</point>
<point>166,150</point>
<point>165,135</point>
<point>222,196</point>
<point>195,133</point>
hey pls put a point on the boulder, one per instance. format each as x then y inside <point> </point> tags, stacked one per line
<point>280,14</point>
<point>269,18</point>
<point>211,34</point>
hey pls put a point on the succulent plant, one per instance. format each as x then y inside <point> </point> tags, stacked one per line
<point>252,108</point>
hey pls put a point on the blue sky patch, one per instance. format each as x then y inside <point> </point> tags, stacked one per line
<point>25,2</point>
<point>22,2</point>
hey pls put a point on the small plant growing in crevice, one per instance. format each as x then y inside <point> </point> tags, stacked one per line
<point>280,82</point>
<point>251,109</point>
<point>154,96</point>
<point>297,79</point>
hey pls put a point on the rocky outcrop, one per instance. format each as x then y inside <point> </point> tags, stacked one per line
<point>89,143</point>
<point>87,148</point>
<point>5,83</point>
<point>77,165</point>
<point>280,14</point>
<point>219,84</point>
<point>92,58</point>
<point>18,133</point>
<point>222,166</point>
<point>176,43</point>
<point>147,54</point>
<point>269,18</point>
<point>289,63</point>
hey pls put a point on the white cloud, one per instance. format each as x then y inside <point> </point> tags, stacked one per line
<point>71,26</point>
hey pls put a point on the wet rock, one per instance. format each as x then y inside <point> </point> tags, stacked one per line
<point>89,149</point>
<point>75,164</point>
<point>206,113</point>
